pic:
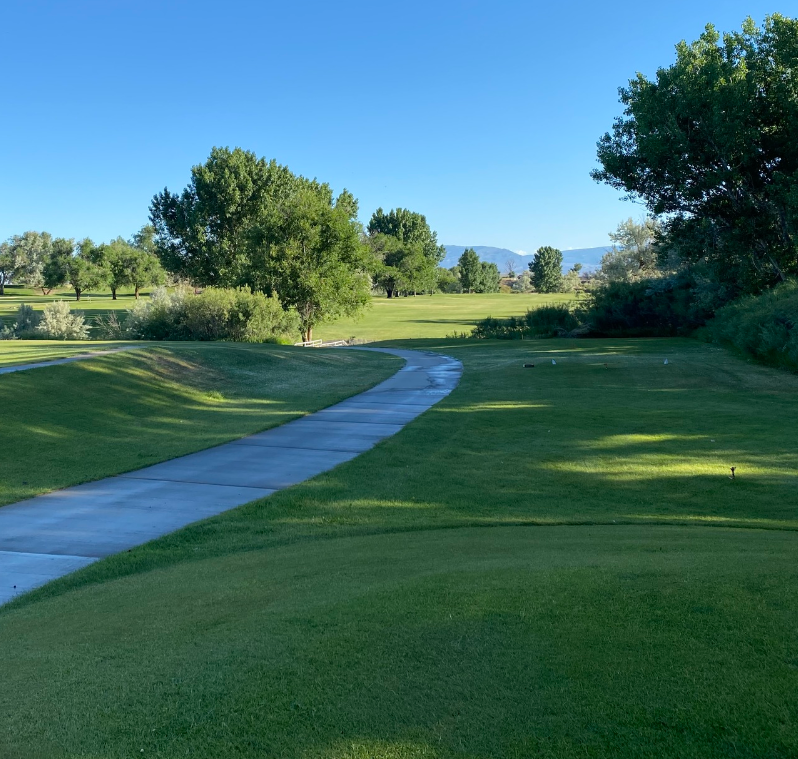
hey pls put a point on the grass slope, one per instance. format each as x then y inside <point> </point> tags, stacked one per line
<point>82,421</point>
<point>435,316</point>
<point>532,568</point>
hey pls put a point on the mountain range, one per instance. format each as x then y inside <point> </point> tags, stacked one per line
<point>590,258</point>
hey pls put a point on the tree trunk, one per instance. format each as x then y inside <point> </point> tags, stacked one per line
<point>113,293</point>
<point>77,294</point>
<point>389,293</point>
<point>307,334</point>
<point>2,287</point>
<point>137,292</point>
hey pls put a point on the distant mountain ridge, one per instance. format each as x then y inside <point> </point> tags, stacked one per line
<point>590,258</point>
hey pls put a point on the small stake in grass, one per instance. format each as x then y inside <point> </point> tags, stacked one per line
<point>665,362</point>
<point>732,471</point>
<point>553,362</point>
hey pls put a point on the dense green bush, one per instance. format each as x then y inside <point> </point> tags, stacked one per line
<point>547,321</point>
<point>649,308</point>
<point>214,314</point>
<point>763,326</point>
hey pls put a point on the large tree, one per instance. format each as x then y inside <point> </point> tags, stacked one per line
<point>202,233</point>
<point>712,143</point>
<point>546,270</point>
<point>408,227</point>
<point>470,271</point>
<point>9,266</point>
<point>409,264</point>
<point>310,253</point>
<point>31,251</point>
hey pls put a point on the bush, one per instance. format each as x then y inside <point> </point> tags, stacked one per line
<point>24,325</point>
<point>59,323</point>
<point>546,321</point>
<point>215,314</point>
<point>649,308</point>
<point>762,326</point>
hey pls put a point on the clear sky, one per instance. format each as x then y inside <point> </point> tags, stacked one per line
<point>481,115</point>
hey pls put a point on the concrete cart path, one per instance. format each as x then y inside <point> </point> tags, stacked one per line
<point>68,359</point>
<point>54,534</point>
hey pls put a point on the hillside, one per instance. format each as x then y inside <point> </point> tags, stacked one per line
<point>590,258</point>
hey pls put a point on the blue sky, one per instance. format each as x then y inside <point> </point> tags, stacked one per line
<point>481,115</point>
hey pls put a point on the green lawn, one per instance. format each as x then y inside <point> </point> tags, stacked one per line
<point>551,562</point>
<point>82,421</point>
<point>435,316</point>
<point>31,351</point>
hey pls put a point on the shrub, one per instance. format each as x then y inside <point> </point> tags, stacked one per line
<point>649,308</point>
<point>546,321</point>
<point>215,314</point>
<point>762,326</point>
<point>25,324</point>
<point>26,321</point>
<point>59,323</point>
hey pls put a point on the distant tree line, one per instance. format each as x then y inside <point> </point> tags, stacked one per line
<point>39,261</point>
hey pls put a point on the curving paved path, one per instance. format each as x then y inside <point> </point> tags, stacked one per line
<point>54,534</point>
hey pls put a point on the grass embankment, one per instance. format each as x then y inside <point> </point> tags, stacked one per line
<point>348,617</point>
<point>433,316</point>
<point>82,421</point>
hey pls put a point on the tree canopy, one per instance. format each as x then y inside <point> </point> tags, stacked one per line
<point>546,270</point>
<point>243,221</point>
<point>202,233</point>
<point>309,251</point>
<point>405,250</point>
<point>712,143</point>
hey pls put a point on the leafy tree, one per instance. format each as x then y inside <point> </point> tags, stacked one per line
<point>571,281</point>
<point>83,274</point>
<point>202,234</point>
<point>31,251</point>
<point>635,253</point>
<point>712,142</point>
<point>131,266</point>
<point>387,252</point>
<point>470,271</point>
<point>411,263</point>
<point>408,227</point>
<point>546,270</point>
<point>9,266</point>
<point>524,283</point>
<point>312,255</point>
<point>490,278</point>
<point>449,280</point>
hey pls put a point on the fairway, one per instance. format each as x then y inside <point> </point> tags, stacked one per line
<point>439,315</point>
<point>550,562</point>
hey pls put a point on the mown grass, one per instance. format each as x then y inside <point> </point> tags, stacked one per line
<point>91,304</point>
<point>32,351</point>
<point>532,568</point>
<point>433,316</point>
<point>77,422</point>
